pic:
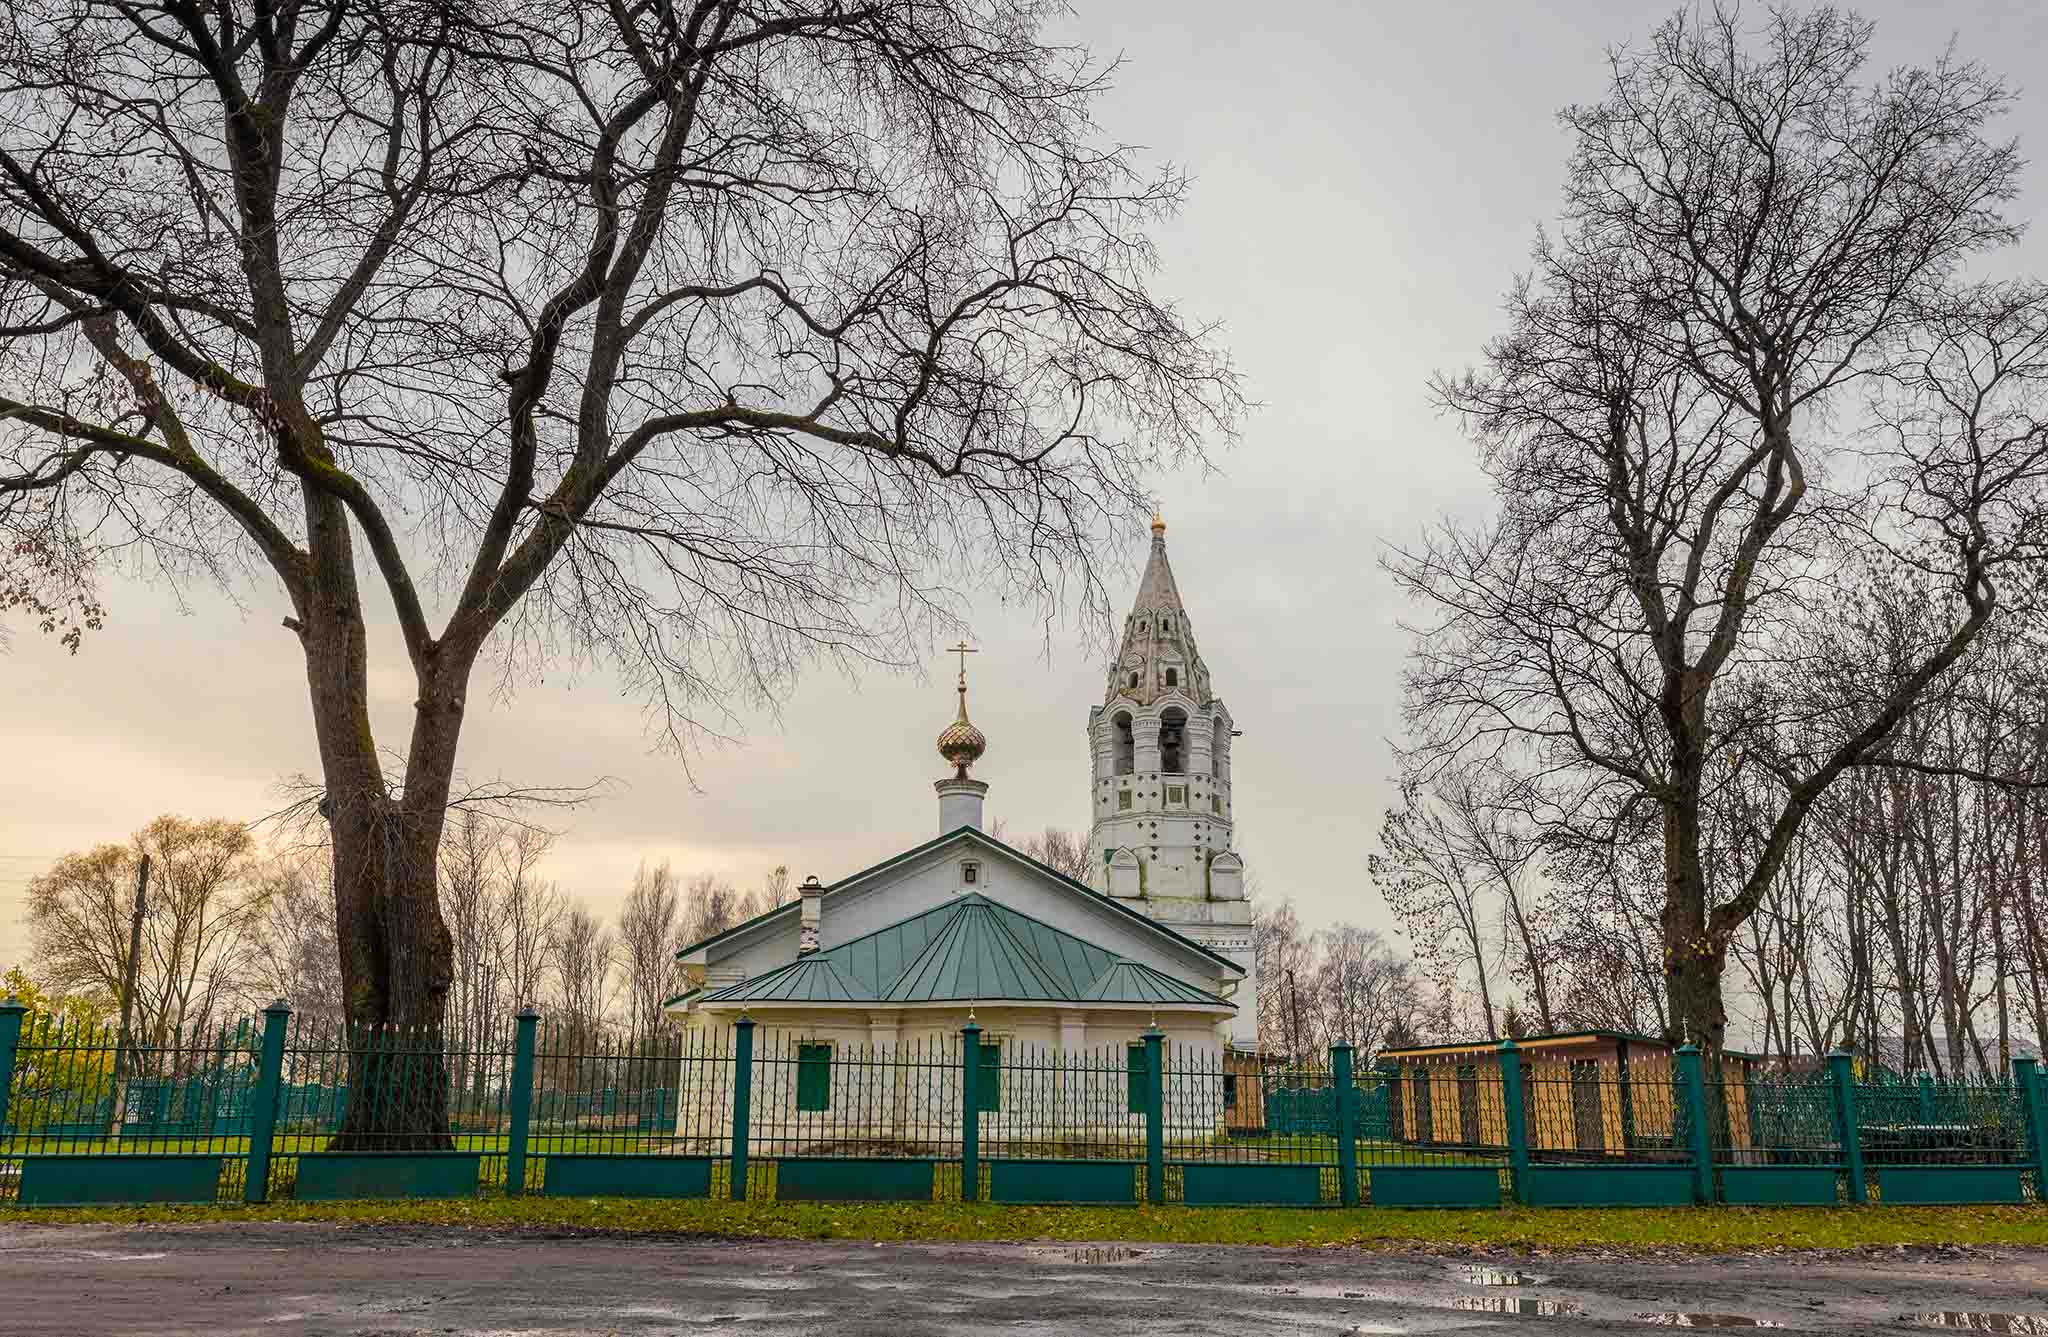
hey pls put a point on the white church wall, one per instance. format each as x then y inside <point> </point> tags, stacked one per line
<point>904,1092</point>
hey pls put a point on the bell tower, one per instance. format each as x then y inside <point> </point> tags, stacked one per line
<point>1160,789</point>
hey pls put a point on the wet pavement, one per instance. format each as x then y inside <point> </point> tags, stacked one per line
<point>276,1278</point>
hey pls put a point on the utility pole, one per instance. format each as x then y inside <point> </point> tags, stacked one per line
<point>1300,1036</point>
<point>121,1061</point>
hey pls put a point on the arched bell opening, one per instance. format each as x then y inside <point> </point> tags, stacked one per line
<point>1173,729</point>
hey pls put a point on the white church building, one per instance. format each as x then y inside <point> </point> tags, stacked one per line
<point>895,959</point>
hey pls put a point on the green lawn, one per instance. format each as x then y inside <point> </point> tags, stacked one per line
<point>1715,1229</point>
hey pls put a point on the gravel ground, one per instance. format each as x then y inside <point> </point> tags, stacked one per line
<point>274,1278</point>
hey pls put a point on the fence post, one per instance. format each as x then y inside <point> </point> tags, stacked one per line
<point>1390,1082</point>
<point>269,1094</point>
<point>1693,1083</point>
<point>1926,1097</point>
<point>1345,1092</point>
<point>742,1102</point>
<point>970,1110</point>
<point>1155,1116</point>
<point>2033,1099</point>
<point>1842,1076</point>
<point>1515,1114</point>
<point>10,1043</point>
<point>528,1022</point>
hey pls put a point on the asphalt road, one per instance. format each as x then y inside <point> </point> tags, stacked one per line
<point>297,1279</point>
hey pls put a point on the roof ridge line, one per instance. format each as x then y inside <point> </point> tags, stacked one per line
<point>932,944</point>
<point>1045,975</point>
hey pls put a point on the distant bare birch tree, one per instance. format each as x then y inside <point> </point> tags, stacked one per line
<point>647,940</point>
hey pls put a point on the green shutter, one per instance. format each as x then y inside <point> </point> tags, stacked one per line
<point>814,1077</point>
<point>988,1078</point>
<point>1134,1079</point>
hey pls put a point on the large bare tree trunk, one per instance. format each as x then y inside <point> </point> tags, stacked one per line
<point>1693,959</point>
<point>396,953</point>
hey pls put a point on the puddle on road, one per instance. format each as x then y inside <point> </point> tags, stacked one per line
<point>1524,1305</point>
<point>1103,1253</point>
<point>1494,1276</point>
<point>1961,1322</point>
<point>1676,1320</point>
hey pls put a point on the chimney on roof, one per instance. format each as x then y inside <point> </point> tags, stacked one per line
<point>813,892</point>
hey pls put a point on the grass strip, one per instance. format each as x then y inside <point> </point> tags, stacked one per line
<point>1698,1229</point>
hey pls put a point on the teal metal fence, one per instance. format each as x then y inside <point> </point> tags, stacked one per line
<point>277,1106</point>
<point>86,1118</point>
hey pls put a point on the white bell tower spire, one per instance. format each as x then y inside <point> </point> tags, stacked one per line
<point>1160,788</point>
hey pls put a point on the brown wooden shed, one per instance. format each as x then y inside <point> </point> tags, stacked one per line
<point>1596,1092</point>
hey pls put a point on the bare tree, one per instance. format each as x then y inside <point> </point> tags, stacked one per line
<point>776,888</point>
<point>529,913</point>
<point>1285,959</point>
<point>585,954</point>
<point>1061,850</point>
<point>647,941</point>
<point>469,868</point>
<point>199,949</point>
<point>295,939</point>
<point>1427,870</point>
<point>1751,234</point>
<point>1361,987</point>
<point>704,339</point>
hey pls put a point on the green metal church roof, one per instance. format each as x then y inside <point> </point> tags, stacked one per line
<point>967,950</point>
<point>1131,982</point>
<point>975,834</point>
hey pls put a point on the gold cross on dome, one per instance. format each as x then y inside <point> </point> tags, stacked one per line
<point>963,650</point>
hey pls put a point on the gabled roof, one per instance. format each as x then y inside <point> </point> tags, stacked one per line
<point>978,835</point>
<point>968,950</point>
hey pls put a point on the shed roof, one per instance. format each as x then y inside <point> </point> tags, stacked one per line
<point>968,950</point>
<point>1553,1038</point>
<point>1539,1041</point>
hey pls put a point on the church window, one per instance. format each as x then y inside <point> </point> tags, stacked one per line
<point>1134,679</point>
<point>1173,677</point>
<point>1216,748</point>
<point>970,873</point>
<point>1172,738</point>
<point>1216,804</point>
<point>814,1077</point>
<point>988,1078</point>
<point>1123,746</point>
<point>1177,795</point>
<point>1123,800</point>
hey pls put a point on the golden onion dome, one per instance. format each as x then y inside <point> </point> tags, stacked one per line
<point>961,744</point>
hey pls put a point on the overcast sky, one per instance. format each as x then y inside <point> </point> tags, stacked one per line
<point>1368,177</point>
